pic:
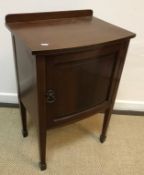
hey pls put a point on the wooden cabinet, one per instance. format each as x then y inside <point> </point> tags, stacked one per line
<point>68,67</point>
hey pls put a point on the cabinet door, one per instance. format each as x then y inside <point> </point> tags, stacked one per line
<point>74,85</point>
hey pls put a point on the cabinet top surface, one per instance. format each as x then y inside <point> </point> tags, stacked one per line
<point>52,31</point>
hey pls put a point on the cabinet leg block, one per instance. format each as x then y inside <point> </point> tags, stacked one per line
<point>24,133</point>
<point>102,138</point>
<point>43,166</point>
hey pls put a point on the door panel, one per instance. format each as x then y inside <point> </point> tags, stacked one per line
<point>78,84</point>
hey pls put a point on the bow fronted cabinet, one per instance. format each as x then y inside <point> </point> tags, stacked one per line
<point>68,67</point>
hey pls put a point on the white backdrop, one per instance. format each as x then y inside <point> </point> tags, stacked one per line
<point>125,13</point>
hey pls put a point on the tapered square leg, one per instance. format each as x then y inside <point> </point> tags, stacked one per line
<point>42,149</point>
<point>106,121</point>
<point>23,119</point>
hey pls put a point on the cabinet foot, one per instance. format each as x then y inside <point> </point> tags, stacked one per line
<point>24,133</point>
<point>102,138</point>
<point>42,166</point>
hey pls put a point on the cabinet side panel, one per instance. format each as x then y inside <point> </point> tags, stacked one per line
<point>121,57</point>
<point>25,65</point>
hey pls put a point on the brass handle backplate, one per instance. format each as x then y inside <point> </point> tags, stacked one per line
<point>51,96</point>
